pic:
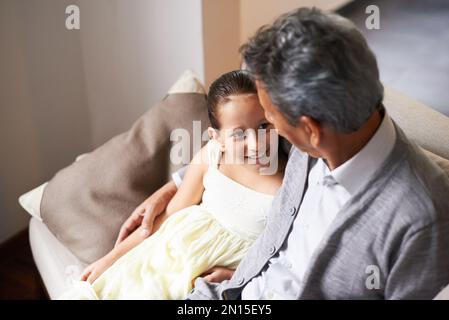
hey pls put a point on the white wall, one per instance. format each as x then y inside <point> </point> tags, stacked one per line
<point>43,108</point>
<point>132,52</point>
<point>221,37</point>
<point>64,92</point>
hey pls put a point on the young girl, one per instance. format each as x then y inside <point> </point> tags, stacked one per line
<point>215,216</point>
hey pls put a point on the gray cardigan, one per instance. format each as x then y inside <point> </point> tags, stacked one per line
<point>390,241</point>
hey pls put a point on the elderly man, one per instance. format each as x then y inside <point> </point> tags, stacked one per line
<point>362,212</point>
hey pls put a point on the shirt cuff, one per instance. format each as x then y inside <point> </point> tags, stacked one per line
<point>177,176</point>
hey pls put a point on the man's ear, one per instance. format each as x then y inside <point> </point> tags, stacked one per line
<point>313,130</point>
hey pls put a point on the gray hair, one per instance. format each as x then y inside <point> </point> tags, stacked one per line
<point>316,64</point>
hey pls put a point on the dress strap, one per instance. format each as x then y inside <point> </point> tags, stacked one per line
<point>213,153</point>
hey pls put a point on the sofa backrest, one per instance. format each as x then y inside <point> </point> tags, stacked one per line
<point>427,127</point>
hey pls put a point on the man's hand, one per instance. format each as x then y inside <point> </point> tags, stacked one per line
<point>145,214</point>
<point>218,274</point>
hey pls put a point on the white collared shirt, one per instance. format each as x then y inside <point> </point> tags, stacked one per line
<point>326,194</point>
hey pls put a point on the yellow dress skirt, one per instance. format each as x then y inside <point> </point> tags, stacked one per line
<point>165,265</point>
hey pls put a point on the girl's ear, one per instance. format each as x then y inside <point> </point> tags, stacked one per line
<point>215,135</point>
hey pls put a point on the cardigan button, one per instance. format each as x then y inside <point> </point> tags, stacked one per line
<point>292,211</point>
<point>272,249</point>
<point>241,280</point>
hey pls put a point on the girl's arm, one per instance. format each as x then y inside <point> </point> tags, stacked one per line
<point>191,189</point>
<point>189,193</point>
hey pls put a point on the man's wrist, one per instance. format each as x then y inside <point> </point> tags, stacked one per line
<point>112,256</point>
<point>169,191</point>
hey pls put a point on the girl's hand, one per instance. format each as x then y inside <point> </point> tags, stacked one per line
<point>218,274</point>
<point>93,271</point>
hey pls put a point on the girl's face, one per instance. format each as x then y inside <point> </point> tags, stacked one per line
<point>245,134</point>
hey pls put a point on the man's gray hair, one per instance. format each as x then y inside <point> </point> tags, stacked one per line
<point>316,64</point>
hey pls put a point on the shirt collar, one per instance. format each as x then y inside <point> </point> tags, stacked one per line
<point>357,170</point>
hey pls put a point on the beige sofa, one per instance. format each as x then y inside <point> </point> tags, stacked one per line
<point>430,129</point>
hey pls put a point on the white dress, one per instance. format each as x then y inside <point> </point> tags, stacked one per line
<point>218,232</point>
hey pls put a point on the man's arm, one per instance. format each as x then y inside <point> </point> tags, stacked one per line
<point>204,290</point>
<point>145,214</point>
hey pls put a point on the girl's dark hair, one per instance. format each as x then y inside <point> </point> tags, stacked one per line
<point>231,83</point>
